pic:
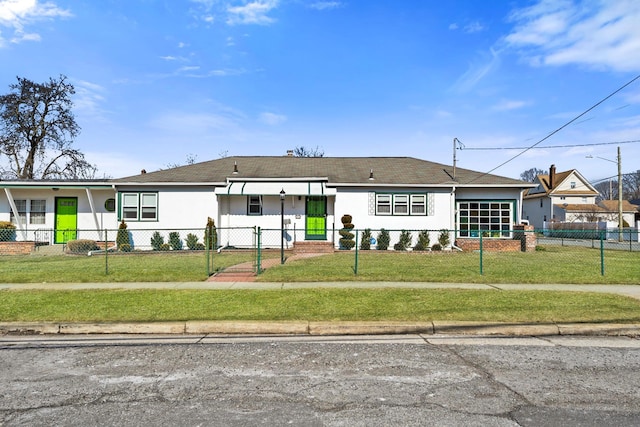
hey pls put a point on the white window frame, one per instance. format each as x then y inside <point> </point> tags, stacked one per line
<point>383,204</point>
<point>492,218</point>
<point>146,208</point>
<point>37,216</point>
<point>21,206</point>
<point>128,207</point>
<point>418,201</point>
<point>401,204</point>
<point>254,202</point>
<point>142,210</point>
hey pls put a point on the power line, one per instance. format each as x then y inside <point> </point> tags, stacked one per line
<point>551,146</point>
<point>594,106</point>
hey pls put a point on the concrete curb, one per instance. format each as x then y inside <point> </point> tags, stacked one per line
<point>322,328</point>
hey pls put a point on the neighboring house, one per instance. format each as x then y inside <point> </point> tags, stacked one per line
<point>379,192</point>
<point>553,191</point>
<point>603,211</point>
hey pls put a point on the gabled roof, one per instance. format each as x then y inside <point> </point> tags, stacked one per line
<point>551,185</point>
<point>333,170</point>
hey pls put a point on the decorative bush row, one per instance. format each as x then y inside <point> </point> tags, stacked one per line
<point>404,241</point>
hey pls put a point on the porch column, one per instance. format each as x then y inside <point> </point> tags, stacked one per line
<point>14,209</point>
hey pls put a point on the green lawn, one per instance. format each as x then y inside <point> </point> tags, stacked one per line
<point>552,265</point>
<point>316,304</point>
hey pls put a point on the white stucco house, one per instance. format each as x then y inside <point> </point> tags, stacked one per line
<point>555,196</point>
<point>379,192</point>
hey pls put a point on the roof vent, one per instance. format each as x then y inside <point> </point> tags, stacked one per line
<point>235,168</point>
<point>371,178</point>
<point>289,153</point>
<point>143,171</point>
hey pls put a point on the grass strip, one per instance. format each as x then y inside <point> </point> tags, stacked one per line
<point>315,304</point>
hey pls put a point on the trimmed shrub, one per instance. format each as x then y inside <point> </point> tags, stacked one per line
<point>165,247</point>
<point>210,234</point>
<point>347,242</point>
<point>365,242</point>
<point>7,231</point>
<point>174,241</point>
<point>157,240</point>
<point>192,242</point>
<point>125,247</point>
<point>123,237</point>
<point>436,247</point>
<point>423,241</point>
<point>404,242</point>
<point>82,246</point>
<point>383,240</point>
<point>443,238</point>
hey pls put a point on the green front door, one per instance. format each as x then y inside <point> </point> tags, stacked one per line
<point>66,219</point>
<point>316,223</point>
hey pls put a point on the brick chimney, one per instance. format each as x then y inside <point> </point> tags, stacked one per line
<point>552,176</point>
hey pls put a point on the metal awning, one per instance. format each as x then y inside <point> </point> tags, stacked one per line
<point>273,188</point>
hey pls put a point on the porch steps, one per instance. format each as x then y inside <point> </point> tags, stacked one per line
<point>49,250</point>
<point>312,247</point>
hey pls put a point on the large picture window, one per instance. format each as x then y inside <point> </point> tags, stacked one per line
<point>491,219</point>
<point>401,204</point>
<point>139,206</point>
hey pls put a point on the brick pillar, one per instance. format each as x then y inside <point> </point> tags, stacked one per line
<point>527,237</point>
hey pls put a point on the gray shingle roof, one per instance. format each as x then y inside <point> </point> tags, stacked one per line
<point>338,170</point>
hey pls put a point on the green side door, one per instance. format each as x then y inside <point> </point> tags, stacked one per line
<point>316,222</point>
<point>66,219</point>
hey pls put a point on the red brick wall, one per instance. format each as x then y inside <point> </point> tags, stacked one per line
<point>490,245</point>
<point>16,248</point>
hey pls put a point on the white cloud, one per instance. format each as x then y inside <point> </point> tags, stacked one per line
<point>509,105</point>
<point>598,34</point>
<point>272,119</point>
<point>324,5</point>
<point>88,98</point>
<point>453,26</point>
<point>254,12</point>
<point>473,27</point>
<point>477,72</point>
<point>17,14</point>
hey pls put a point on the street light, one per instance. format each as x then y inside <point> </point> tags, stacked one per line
<point>620,218</point>
<point>282,194</point>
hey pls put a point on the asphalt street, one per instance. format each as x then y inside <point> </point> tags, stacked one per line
<point>408,380</point>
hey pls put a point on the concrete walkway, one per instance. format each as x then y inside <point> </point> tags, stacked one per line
<point>325,328</point>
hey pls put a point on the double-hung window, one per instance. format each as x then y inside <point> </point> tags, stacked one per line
<point>383,204</point>
<point>418,204</point>
<point>139,206</point>
<point>254,205</point>
<point>401,204</point>
<point>37,211</point>
<point>21,205</point>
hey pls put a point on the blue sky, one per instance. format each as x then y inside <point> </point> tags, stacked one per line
<point>159,81</point>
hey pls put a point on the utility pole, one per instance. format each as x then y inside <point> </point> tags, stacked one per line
<point>620,218</point>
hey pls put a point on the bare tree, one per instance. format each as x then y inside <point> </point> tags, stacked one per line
<point>302,151</point>
<point>37,128</point>
<point>631,185</point>
<point>530,175</point>
<point>608,189</point>
<point>191,159</point>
